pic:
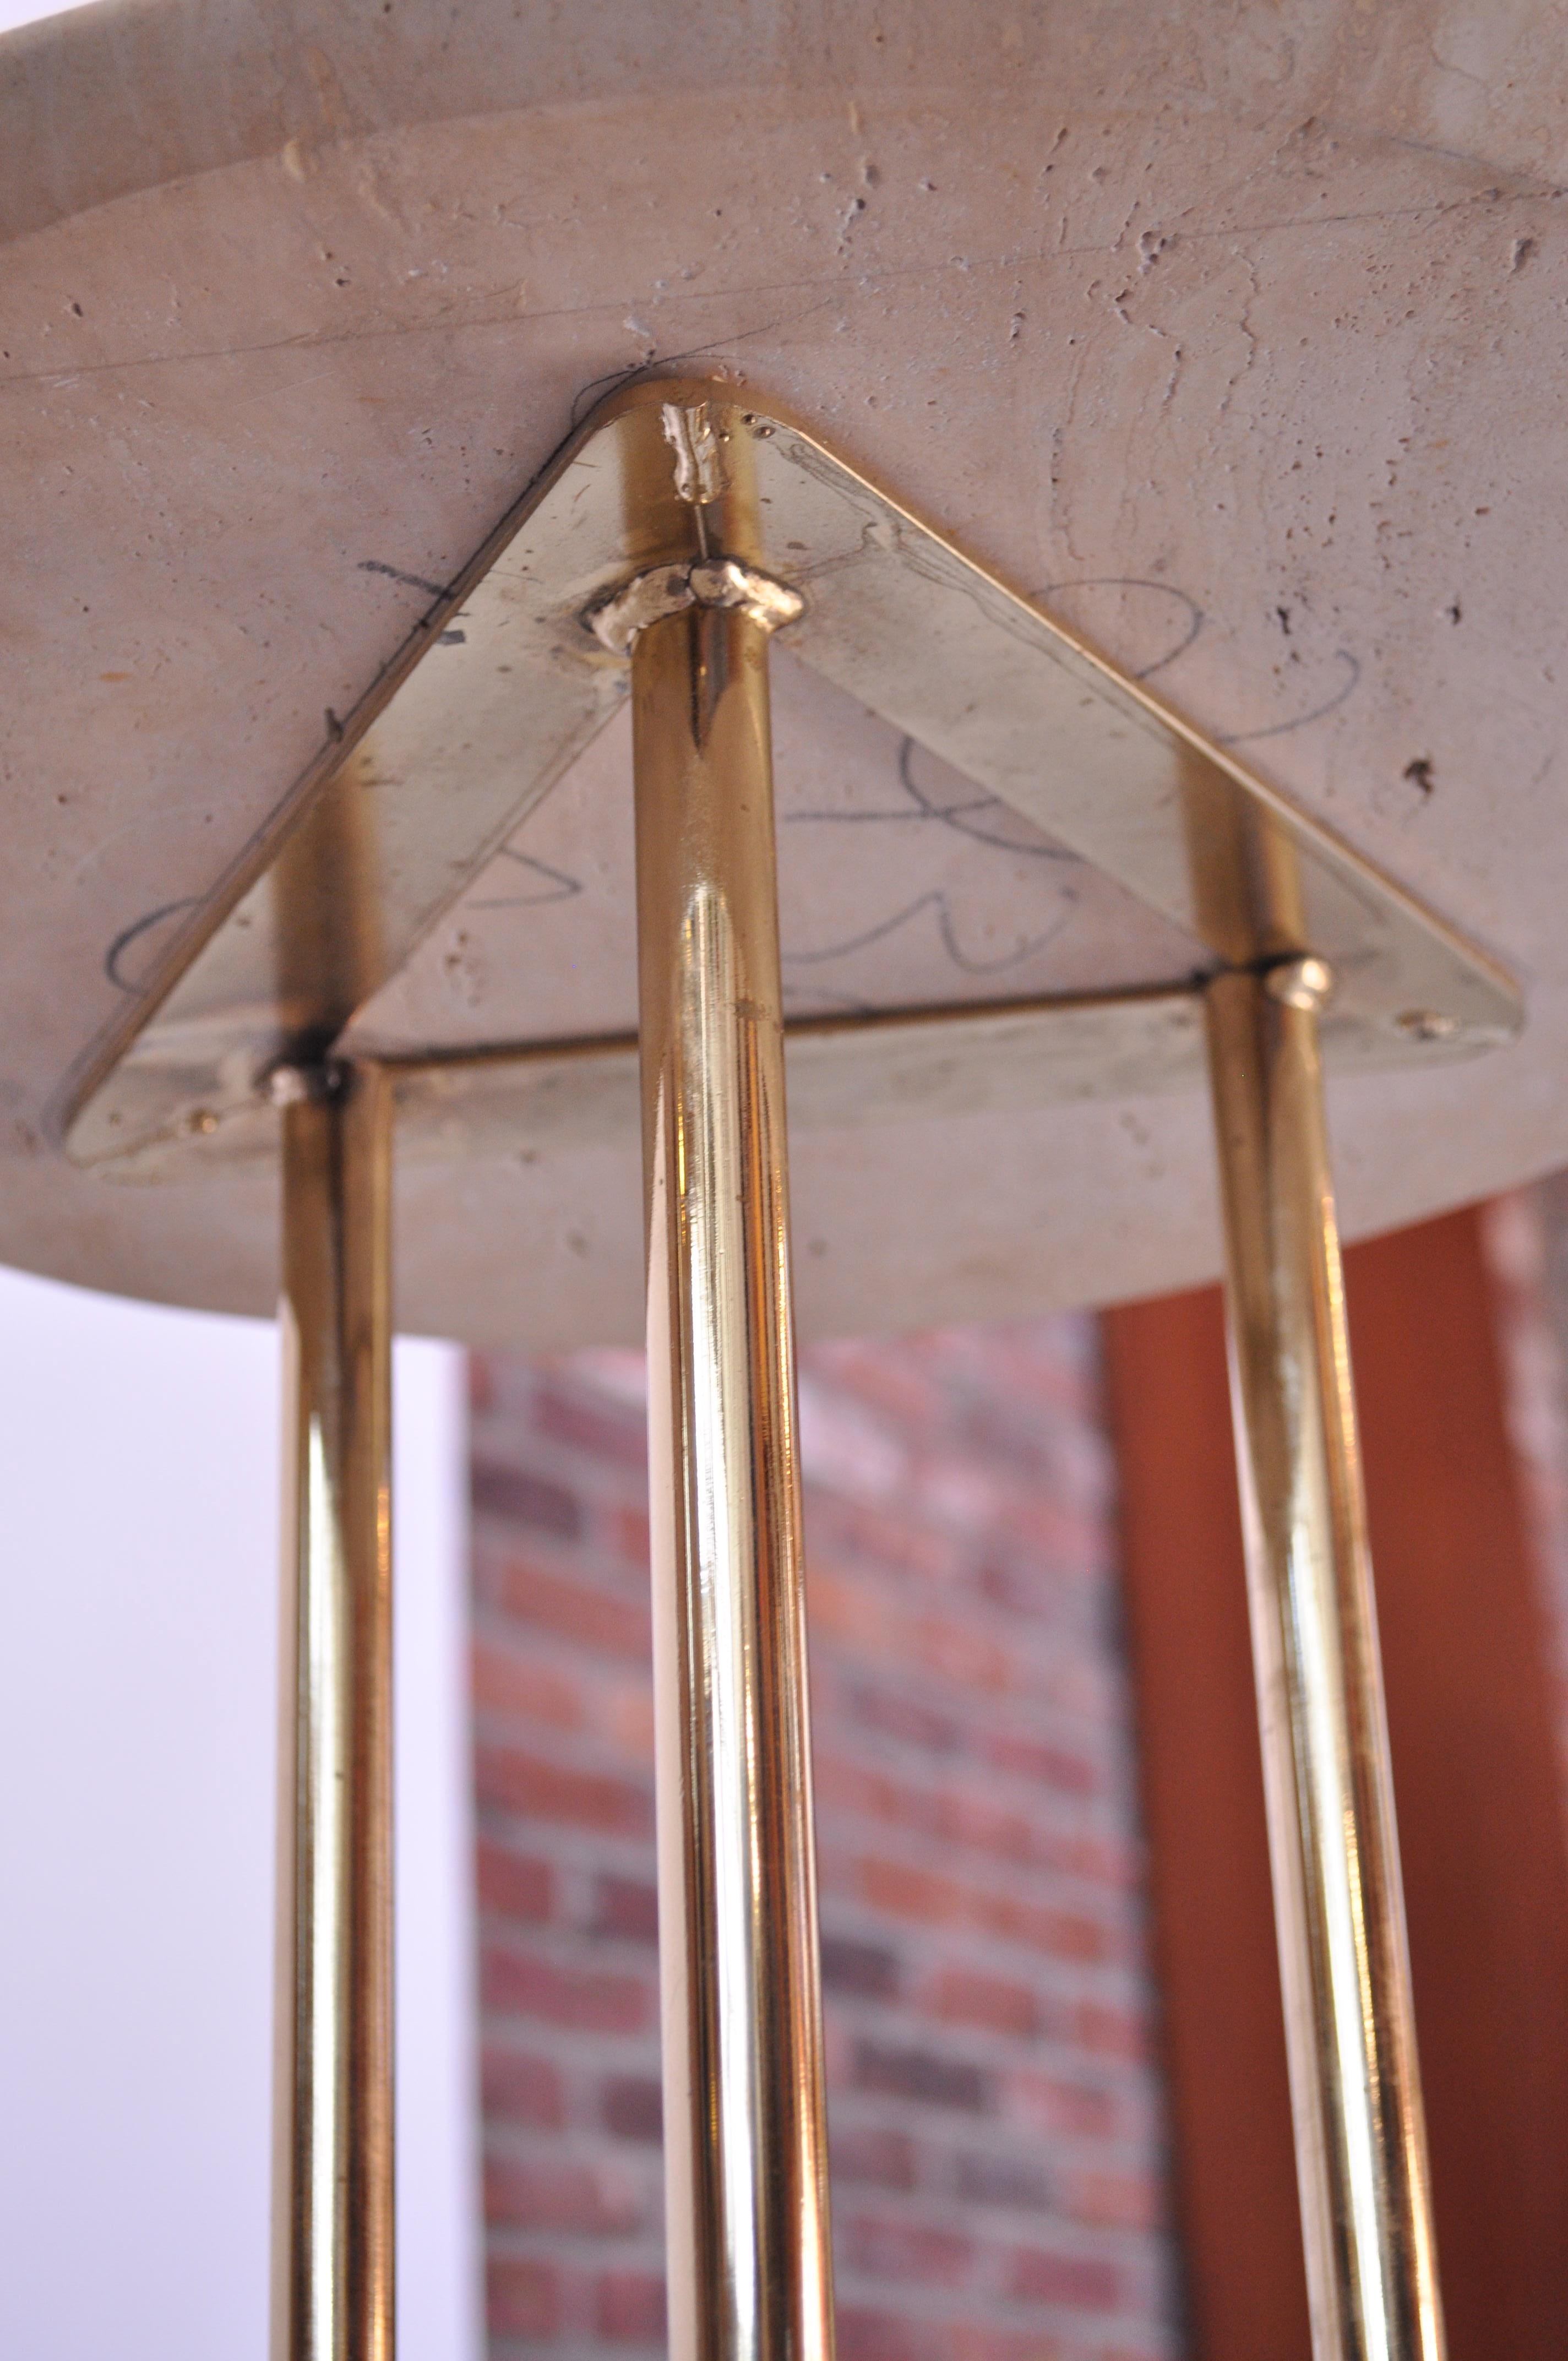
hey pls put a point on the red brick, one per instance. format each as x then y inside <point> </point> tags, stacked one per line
<point>1061,1933</point>
<point>964,1818</point>
<point>926,1897</point>
<point>992,2176</point>
<point>553,2195</point>
<point>521,2089</point>
<point>1072,1773</point>
<point>871,1970</point>
<point>509,1682</point>
<point>970,2341</point>
<point>964,1996</point>
<point>583,1421</point>
<point>892,1382</point>
<point>519,1983</point>
<point>629,1720</point>
<point>1057,2104</point>
<point>1079,2282</point>
<point>512,1885</point>
<point>845,1610</point>
<point>520,1498</point>
<point>895,1542</point>
<point>1121,2201</point>
<point>573,1608</point>
<point>904,1717</point>
<point>1036,1586</point>
<point>877,2337</point>
<point>867,2155</point>
<point>627,1907</point>
<point>629,2308</point>
<point>626,1530</point>
<point>923,2253</point>
<point>536,1790</point>
<point>523,2297</point>
<point>915,1894</point>
<point>962,1654</point>
<point>922,2074</point>
<point>1115,2032</point>
<point>977,1852</point>
<point>633,2108</point>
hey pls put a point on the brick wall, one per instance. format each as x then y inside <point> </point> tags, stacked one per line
<point>1526,1237</point>
<point>995,2115</point>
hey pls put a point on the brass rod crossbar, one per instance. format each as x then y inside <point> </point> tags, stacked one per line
<point>935,1017</point>
<point>1345,1968</point>
<point>333,2224</point>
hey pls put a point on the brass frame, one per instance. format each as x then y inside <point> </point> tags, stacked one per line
<point>751,2266</point>
<point>656,547</point>
<point>1345,1966</point>
<point>332,2145</point>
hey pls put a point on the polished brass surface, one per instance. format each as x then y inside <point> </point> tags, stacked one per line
<point>1356,2091</point>
<point>332,2131</point>
<point>745,2151</point>
<point>503,683</point>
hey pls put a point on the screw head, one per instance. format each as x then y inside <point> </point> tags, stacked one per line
<point>1428,1025</point>
<point>289,1086</point>
<point>1304,983</point>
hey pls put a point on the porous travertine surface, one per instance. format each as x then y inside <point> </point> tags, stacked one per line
<point>1236,333</point>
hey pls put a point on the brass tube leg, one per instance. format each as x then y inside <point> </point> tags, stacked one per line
<point>333,2137</point>
<point>746,2178</point>
<point>1345,1968</point>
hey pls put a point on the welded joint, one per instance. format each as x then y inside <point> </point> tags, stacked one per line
<point>665,591</point>
<point>306,1082</point>
<point>1303,982</point>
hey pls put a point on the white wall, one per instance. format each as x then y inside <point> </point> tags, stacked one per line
<point>138,1545</point>
<point>139,1491</point>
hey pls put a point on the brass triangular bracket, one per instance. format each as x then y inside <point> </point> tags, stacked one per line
<point>505,680</point>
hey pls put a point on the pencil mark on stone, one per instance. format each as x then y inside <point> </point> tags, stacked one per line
<point>958,816</point>
<point>814,996</point>
<point>1329,705</point>
<point>396,573</point>
<point>1194,622</point>
<point>559,887</point>
<point>114,958</point>
<point>934,900</point>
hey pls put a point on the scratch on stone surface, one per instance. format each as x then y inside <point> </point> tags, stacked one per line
<point>1380,136</point>
<point>828,287</point>
<point>1244,322</point>
<point>660,361</point>
<point>1446,65</point>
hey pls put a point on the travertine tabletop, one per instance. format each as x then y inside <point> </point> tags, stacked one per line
<point>1236,336</point>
